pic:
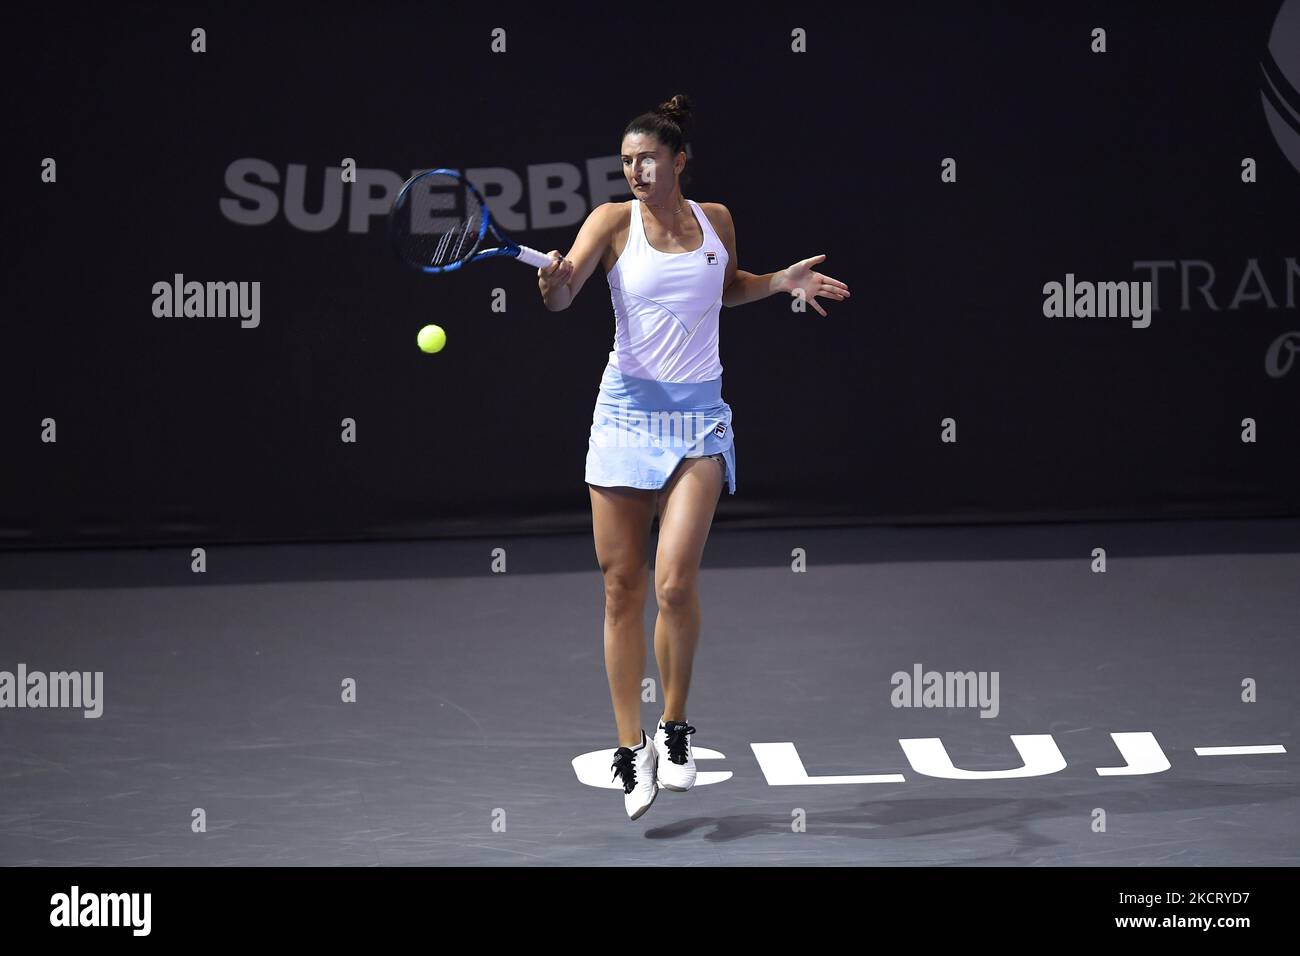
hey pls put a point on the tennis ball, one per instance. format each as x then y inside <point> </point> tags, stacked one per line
<point>431,338</point>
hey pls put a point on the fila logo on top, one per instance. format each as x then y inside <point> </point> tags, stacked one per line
<point>711,258</point>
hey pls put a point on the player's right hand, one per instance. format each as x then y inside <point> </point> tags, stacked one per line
<point>555,275</point>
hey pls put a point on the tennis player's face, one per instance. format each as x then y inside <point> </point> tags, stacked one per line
<point>648,167</point>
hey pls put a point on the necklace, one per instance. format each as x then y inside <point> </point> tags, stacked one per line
<point>677,211</point>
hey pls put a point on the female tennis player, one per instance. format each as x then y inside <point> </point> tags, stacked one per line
<point>661,438</point>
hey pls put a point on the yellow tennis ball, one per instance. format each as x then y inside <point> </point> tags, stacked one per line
<point>431,338</point>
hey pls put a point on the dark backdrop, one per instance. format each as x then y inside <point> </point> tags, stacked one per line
<point>196,429</point>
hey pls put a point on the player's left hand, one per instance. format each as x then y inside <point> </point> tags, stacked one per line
<point>800,276</point>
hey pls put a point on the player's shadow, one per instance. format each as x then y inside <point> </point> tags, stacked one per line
<point>1016,819</point>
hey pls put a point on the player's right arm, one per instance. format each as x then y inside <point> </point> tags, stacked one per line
<point>561,282</point>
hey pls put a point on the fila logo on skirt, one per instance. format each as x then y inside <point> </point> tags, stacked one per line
<point>721,429</point>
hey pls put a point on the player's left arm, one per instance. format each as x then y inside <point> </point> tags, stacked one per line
<point>739,286</point>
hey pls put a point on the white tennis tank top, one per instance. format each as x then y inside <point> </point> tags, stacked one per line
<point>666,306</point>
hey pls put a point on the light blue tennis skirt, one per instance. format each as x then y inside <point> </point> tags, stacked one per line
<point>641,429</point>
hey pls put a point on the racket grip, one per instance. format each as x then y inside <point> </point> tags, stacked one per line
<point>538,260</point>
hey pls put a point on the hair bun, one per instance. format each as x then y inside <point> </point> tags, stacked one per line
<point>678,109</point>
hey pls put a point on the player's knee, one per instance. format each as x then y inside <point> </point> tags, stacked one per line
<point>675,591</point>
<point>625,589</point>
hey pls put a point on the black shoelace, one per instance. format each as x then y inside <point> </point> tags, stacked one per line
<point>624,767</point>
<point>677,734</point>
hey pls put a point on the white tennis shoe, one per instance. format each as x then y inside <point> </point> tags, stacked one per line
<point>676,770</point>
<point>636,765</point>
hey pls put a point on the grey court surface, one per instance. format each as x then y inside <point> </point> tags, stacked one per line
<point>476,691</point>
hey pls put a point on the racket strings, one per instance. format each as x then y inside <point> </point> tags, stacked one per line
<point>440,222</point>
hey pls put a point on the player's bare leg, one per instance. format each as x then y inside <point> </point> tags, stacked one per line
<point>621,520</point>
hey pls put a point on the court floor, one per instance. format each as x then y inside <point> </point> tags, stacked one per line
<point>405,704</point>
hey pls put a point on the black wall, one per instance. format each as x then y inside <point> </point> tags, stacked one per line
<point>197,429</point>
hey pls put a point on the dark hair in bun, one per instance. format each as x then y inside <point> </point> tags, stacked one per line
<point>669,122</point>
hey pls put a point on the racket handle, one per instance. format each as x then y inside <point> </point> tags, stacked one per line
<point>538,260</point>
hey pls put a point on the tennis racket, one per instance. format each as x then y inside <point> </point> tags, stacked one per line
<point>439,222</point>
